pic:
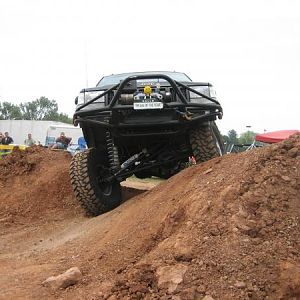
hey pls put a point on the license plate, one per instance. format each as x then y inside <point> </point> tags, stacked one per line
<point>148,105</point>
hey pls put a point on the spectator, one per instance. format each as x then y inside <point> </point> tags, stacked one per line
<point>29,141</point>
<point>7,139</point>
<point>1,137</point>
<point>61,142</point>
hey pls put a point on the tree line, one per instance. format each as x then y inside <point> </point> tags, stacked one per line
<point>245,138</point>
<point>39,109</point>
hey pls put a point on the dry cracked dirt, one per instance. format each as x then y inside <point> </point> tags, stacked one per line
<point>224,229</point>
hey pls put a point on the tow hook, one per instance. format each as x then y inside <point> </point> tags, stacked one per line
<point>185,115</point>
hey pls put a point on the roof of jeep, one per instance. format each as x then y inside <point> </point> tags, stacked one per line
<point>116,78</point>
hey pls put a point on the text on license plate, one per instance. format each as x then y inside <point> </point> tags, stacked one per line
<point>148,105</point>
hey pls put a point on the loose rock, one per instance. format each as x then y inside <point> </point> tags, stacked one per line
<point>293,152</point>
<point>240,284</point>
<point>170,276</point>
<point>62,281</point>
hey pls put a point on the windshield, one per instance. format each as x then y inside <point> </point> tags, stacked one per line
<point>115,79</point>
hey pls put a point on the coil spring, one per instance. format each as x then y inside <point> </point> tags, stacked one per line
<point>113,156</point>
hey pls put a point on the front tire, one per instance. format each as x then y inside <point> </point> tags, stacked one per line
<point>206,142</point>
<point>87,172</point>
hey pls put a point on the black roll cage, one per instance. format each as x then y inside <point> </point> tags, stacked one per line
<point>173,83</point>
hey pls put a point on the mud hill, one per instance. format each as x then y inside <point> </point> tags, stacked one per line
<point>34,184</point>
<point>225,229</point>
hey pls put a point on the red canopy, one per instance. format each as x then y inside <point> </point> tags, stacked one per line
<point>275,136</point>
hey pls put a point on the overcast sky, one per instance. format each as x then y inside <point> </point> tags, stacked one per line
<point>249,50</point>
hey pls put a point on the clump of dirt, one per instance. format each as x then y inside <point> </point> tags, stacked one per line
<point>18,163</point>
<point>35,183</point>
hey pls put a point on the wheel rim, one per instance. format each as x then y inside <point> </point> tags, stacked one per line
<point>105,187</point>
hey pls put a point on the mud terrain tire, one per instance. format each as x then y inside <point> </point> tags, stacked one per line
<point>95,197</point>
<point>206,142</point>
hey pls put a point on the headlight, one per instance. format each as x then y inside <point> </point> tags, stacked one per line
<point>212,92</point>
<point>93,94</point>
<point>206,90</point>
<point>201,89</point>
<point>194,98</point>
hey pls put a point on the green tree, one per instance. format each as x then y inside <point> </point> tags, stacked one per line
<point>61,117</point>
<point>225,138</point>
<point>39,109</point>
<point>9,111</point>
<point>247,137</point>
<point>232,136</point>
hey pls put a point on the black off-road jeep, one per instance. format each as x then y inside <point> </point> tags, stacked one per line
<point>143,124</point>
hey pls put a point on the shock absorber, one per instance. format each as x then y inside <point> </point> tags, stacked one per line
<point>113,156</point>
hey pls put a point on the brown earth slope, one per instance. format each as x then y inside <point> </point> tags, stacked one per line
<point>228,228</point>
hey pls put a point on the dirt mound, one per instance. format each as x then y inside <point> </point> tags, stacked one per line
<point>228,228</point>
<point>35,183</point>
<point>18,163</point>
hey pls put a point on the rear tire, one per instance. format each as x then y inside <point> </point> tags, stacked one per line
<point>95,196</point>
<point>206,142</point>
